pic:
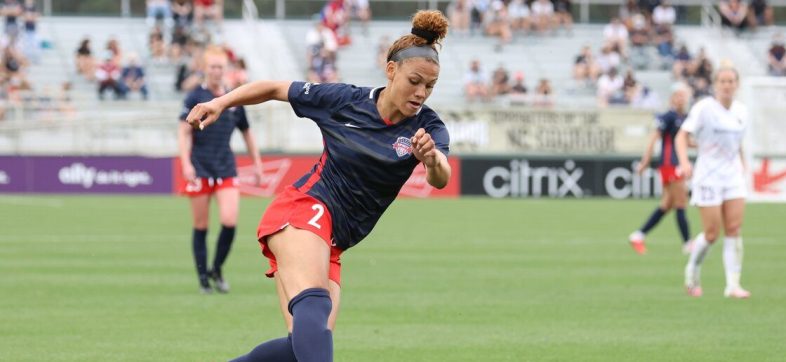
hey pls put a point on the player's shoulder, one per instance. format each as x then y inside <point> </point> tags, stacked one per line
<point>428,115</point>
<point>739,107</point>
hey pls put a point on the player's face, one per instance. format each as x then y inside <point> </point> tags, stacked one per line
<point>680,98</point>
<point>726,84</point>
<point>411,83</point>
<point>215,66</point>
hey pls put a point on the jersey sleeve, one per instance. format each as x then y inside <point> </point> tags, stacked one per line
<point>190,102</point>
<point>242,120</point>
<point>318,101</point>
<point>693,122</point>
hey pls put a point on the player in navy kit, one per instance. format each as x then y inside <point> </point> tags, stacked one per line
<point>373,140</point>
<point>675,194</point>
<point>208,167</point>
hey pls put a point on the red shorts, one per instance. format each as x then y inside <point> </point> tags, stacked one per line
<point>207,186</point>
<point>668,174</point>
<point>299,210</point>
<point>204,3</point>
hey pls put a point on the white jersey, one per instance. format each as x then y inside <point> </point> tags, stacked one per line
<point>718,133</point>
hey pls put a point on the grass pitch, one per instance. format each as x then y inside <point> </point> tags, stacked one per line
<point>98,278</point>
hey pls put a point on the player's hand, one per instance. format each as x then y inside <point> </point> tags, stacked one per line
<point>641,167</point>
<point>685,170</point>
<point>189,173</point>
<point>258,174</point>
<point>204,114</point>
<point>424,149</point>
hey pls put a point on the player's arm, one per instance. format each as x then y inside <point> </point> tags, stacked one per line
<point>203,114</point>
<point>184,132</point>
<point>436,163</point>
<point>253,151</point>
<point>744,161</point>
<point>647,156</point>
<point>681,142</point>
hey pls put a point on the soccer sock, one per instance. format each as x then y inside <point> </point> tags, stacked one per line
<point>278,350</point>
<point>732,260</point>
<point>693,269</point>
<point>682,222</point>
<point>653,220</point>
<point>312,341</point>
<point>200,253</point>
<point>225,238</point>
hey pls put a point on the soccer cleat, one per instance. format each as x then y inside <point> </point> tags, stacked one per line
<point>204,285</point>
<point>687,247</point>
<point>637,242</point>
<point>221,285</point>
<point>737,293</point>
<point>694,291</point>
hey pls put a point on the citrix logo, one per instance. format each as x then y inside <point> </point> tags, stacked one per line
<point>623,183</point>
<point>522,180</point>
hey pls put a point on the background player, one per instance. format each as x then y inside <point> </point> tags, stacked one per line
<point>373,139</point>
<point>209,169</point>
<point>675,194</point>
<point>718,125</point>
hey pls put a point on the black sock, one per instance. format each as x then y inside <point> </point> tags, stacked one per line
<point>653,220</point>
<point>225,238</point>
<point>278,350</point>
<point>682,221</point>
<point>312,341</point>
<point>200,254</point>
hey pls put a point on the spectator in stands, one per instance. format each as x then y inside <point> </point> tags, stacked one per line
<point>159,11</point>
<point>476,15</point>
<point>543,15</point>
<point>664,14</point>
<point>320,40</point>
<point>520,16</point>
<point>322,68</point>
<point>585,68</point>
<point>476,83</point>
<point>190,72</point>
<point>382,52</point>
<point>518,91</point>
<point>180,39</point>
<point>640,41</point>
<point>609,86</point>
<point>133,77</point>
<point>237,74</point>
<point>12,10</point>
<point>682,63</point>
<point>109,77</point>
<point>609,58</point>
<point>734,14</point>
<point>209,9</point>
<point>361,11</point>
<point>760,13</point>
<point>627,10</point>
<point>335,18</point>
<point>543,96</point>
<point>664,41</point>
<point>31,46</point>
<point>616,34</point>
<point>458,13</point>
<point>777,56</point>
<point>182,13</point>
<point>85,62</point>
<point>113,46</point>
<point>498,23</point>
<point>157,46</point>
<point>563,16</point>
<point>499,81</point>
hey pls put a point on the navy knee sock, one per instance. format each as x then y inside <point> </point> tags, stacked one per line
<point>225,238</point>
<point>682,221</point>
<point>200,254</point>
<point>274,350</point>
<point>312,341</point>
<point>653,220</point>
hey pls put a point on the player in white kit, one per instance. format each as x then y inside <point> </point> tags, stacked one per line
<point>718,125</point>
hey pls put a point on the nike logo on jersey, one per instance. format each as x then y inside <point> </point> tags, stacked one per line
<point>350,125</point>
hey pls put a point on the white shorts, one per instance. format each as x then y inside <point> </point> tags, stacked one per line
<point>715,195</point>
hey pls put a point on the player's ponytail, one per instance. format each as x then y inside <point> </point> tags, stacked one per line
<point>429,27</point>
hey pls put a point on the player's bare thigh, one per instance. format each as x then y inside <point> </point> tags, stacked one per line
<point>711,221</point>
<point>733,213</point>
<point>228,200</point>
<point>303,260</point>
<point>678,194</point>
<point>335,297</point>
<point>200,208</point>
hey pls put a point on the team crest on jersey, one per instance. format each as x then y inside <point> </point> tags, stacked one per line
<point>403,146</point>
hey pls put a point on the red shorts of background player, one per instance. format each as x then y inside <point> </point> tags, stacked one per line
<point>299,210</point>
<point>669,174</point>
<point>207,186</point>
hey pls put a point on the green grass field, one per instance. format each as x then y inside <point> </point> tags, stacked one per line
<point>112,279</point>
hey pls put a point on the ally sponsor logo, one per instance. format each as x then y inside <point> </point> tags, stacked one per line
<point>79,174</point>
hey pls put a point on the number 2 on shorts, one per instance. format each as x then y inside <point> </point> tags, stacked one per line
<point>320,210</point>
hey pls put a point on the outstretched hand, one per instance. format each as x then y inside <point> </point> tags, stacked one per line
<point>204,114</point>
<point>424,149</point>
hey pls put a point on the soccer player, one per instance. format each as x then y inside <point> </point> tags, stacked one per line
<point>208,167</point>
<point>717,124</point>
<point>373,140</point>
<point>675,193</point>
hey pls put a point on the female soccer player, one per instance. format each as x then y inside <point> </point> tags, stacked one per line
<point>209,169</point>
<point>718,124</point>
<point>675,193</point>
<point>373,140</point>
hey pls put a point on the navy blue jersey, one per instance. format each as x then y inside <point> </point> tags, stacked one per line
<point>668,124</point>
<point>210,152</point>
<point>365,160</point>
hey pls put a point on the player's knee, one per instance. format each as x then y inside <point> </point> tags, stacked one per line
<point>733,229</point>
<point>711,234</point>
